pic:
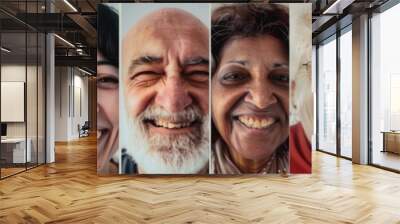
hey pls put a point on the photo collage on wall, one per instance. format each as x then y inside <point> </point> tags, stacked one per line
<point>206,89</point>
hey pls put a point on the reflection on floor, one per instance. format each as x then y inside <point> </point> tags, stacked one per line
<point>70,191</point>
<point>10,169</point>
<point>387,159</point>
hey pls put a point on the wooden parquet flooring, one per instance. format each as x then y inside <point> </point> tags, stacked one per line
<point>70,191</point>
<point>10,171</point>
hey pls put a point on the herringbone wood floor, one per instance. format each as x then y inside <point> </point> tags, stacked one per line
<point>69,191</point>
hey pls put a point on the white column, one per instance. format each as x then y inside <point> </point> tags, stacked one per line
<point>50,92</point>
<point>360,90</point>
<point>50,99</point>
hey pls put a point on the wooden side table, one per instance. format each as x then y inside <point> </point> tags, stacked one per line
<point>391,141</point>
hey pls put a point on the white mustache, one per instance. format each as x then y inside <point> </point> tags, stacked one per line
<point>157,113</point>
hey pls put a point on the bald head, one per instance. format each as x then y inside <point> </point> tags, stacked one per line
<point>169,18</point>
<point>169,27</point>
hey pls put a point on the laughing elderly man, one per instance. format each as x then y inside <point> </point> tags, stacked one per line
<point>165,62</point>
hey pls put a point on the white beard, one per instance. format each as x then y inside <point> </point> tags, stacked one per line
<point>160,154</point>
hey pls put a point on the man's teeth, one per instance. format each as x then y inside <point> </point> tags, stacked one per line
<point>253,122</point>
<point>169,124</point>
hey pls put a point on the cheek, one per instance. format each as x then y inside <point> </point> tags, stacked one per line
<point>108,100</point>
<point>216,111</point>
<point>283,97</point>
<point>223,101</point>
<point>201,96</point>
<point>137,100</point>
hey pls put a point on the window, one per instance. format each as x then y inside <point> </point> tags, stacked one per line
<point>327,96</point>
<point>385,89</point>
<point>346,92</point>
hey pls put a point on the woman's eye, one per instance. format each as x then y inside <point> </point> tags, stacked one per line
<point>233,78</point>
<point>280,78</point>
<point>107,82</point>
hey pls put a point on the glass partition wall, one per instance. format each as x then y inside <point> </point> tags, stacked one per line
<point>22,77</point>
<point>334,87</point>
<point>385,90</point>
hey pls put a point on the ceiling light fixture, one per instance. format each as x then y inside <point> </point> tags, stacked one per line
<point>65,41</point>
<point>70,5</point>
<point>337,7</point>
<point>5,50</point>
<point>84,71</point>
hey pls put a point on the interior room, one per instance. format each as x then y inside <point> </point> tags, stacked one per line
<point>22,100</point>
<point>26,60</point>
<point>384,89</point>
<point>334,55</point>
<point>48,150</point>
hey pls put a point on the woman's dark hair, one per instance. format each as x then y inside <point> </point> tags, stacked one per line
<point>107,33</point>
<point>248,20</point>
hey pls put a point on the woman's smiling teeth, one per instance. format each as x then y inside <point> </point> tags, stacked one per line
<point>170,124</point>
<point>255,122</point>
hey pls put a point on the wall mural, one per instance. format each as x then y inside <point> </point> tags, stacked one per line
<point>204,88</point>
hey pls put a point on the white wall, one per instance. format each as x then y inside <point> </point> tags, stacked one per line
<point>61,103</point>
<point>71,93</point>
<point>16,73</point>
<point>33,126</point>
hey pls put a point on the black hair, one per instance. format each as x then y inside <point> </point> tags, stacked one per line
<point>107,33</point>
<point>248,20</point>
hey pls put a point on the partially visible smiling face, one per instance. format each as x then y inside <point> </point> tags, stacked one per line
<point>250,96</point>
<point>107,111</point>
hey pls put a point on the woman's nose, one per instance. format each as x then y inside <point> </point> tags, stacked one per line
<point>261,96</point>
<point>173,96</point>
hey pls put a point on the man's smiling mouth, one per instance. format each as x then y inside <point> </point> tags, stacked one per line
<point>168,124</point>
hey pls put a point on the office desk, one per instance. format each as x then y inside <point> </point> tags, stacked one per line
<point>13,150</point>
<point>391,141</point>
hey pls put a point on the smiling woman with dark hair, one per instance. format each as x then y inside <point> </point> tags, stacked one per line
<point>250,89</point>
<point>107,90</point>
